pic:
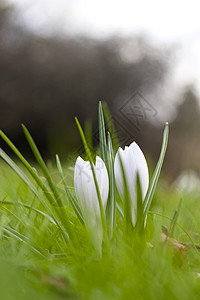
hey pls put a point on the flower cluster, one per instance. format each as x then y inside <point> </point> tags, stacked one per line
<point>134,164</point>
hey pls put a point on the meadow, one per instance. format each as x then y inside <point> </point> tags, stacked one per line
<point>54,247</point>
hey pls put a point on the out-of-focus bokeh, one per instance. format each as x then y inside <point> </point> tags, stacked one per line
<point>58,59</point>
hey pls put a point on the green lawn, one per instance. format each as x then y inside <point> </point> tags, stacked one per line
<point>37,263</point>
<point>51,248</point>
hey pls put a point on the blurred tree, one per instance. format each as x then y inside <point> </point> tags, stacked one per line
<point>185,135</point>
<point>45,82</point>
<point>184,139</point>
<point>187,120</point>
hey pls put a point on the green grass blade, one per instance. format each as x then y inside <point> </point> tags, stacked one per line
<point>120,210</point>
<point>110,126</point>
<point>174,219</point>
<point>180,226</point>
<point>8,211</point>
<point>88,133</point>
<point>27,206</point>
<point>10,231</point>
<point>61,210</point>
<point>140,208</point>
<point>127,203</point>
<point>156,174</point>
<point>102,135</point>
<point>111,205</point>
<point>25,179</point>
<point>28,167</point>
<point>22,175</point>
<point>42,165</point>
<point>68,193</point>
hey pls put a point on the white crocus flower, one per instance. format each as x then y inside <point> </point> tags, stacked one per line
<point>134,163</point>
<point>87,195</point>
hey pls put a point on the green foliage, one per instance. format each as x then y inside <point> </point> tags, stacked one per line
<point>156,174</point>
<point>46,248</point>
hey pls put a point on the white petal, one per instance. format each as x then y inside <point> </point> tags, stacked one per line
<point>134,163</point>
<point>102,179</point>
<point>85,186</point>
<point>118,171</point>
<point>141,167</point>
<point>87,196</point>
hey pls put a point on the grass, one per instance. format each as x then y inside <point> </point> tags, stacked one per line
<point>46,251</point>
<point>134,269</point>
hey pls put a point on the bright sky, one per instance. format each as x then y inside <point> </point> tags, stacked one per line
<point>175,22</point>
<point>167,20</point>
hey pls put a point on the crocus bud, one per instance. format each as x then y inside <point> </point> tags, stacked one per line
<point>87,195</point>
<point>134,163</point>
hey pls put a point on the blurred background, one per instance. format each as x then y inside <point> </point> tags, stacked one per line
<point>59,58</point>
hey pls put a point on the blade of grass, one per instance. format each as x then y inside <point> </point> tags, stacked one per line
<point>5,209</point>
<point>156,174</point>
<point>102,135</point>
<point>63,215</point>
<point>28,167</point>
<point>174,219</point>
<point>42,165</point>
<point>32,204</point>
<point>68,193</point>
<point>180,226</point>
<point>120,210</point>
<point>140,220</point>
<point>27,206</point>
<point>110,126</point>
<point>25,179</point>
<point>21,238</point>
<point>111,205</point>
<point>88,133</point>
<point>22,175</point>
<point>127,203</point>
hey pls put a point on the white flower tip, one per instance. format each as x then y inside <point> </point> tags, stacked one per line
<point>119,152</point>
<point>81,164</point>
<point>135,146</point>
<point>166,123</point>
<point>98,159</point>
<point>79,159</point>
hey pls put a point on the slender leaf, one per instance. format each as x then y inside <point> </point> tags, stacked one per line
<point>180,226</point>
<point>156,174</point>
<point>28,167</point>
<point>120,210</point>
<point>42,165</point>
<point>68,193</point>
<point>21,174</point>
<point>52,186</point>
<point>127,202</point>
<point>110,126</point>
<point>102,135</point>
<point>140,208</point>
<point>27,206</point>
<point>111,205</point>
<point>10,231</point>
<point>174,219</point>
<point>88,133</point>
